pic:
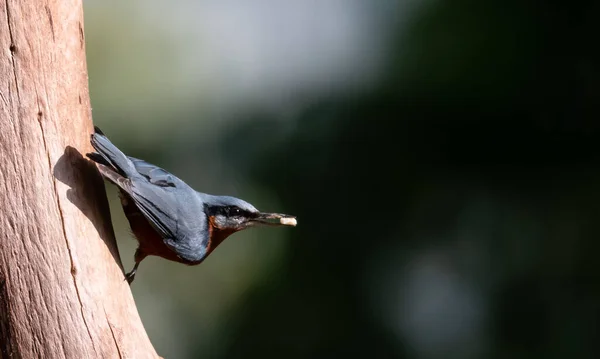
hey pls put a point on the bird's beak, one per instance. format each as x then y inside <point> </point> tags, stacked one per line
<point>275,219</point>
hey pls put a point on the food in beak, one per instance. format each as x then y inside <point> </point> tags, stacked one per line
<point>288,221</point>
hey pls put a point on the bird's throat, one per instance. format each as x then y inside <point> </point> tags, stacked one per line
<point>215,235</point>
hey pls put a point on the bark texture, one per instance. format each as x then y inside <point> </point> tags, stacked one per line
<point>62,290</point>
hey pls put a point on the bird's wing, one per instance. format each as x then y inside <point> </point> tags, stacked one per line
<point>192,251</point>
<point>154,174</point>
<point>175,213</point>
<point>157,207</point>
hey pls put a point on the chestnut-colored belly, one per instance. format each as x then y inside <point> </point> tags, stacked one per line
<point>150,242</point>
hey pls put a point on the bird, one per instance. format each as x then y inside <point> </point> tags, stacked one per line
<point>169,218</point>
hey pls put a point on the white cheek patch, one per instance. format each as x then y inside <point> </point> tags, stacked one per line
<point>288,221</point>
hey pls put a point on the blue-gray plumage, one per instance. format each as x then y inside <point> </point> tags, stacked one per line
<point>168,217</point>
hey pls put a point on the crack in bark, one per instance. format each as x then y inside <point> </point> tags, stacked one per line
<point>6,102</point>
<point>6,349</point>
<point>51,21</point>
<point>113,334</point>
<point>12,49</point>
<point>14,66</point>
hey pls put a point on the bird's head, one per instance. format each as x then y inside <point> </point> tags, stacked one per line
<point>230,214</point>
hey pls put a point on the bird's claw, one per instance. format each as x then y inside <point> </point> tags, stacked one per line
<point>130,276</point>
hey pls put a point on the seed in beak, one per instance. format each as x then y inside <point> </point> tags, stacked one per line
<point>288,221</point>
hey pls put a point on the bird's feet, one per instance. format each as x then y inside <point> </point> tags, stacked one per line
<point>130,276</point>
<point>139,256</point>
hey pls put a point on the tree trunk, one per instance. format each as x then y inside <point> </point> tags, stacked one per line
<point>62,289</point>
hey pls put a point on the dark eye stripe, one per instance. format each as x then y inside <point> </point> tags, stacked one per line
<point>232,211</point>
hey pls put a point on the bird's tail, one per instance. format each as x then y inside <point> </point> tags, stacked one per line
<point>109,155</point>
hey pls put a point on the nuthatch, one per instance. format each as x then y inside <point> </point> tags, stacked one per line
<point>169,218</point>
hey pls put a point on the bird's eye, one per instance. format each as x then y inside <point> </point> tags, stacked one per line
<point>234,211</point>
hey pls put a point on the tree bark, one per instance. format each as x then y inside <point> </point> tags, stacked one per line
<point>62,289</point>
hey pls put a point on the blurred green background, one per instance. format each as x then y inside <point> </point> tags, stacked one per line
<point>442,158</point>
